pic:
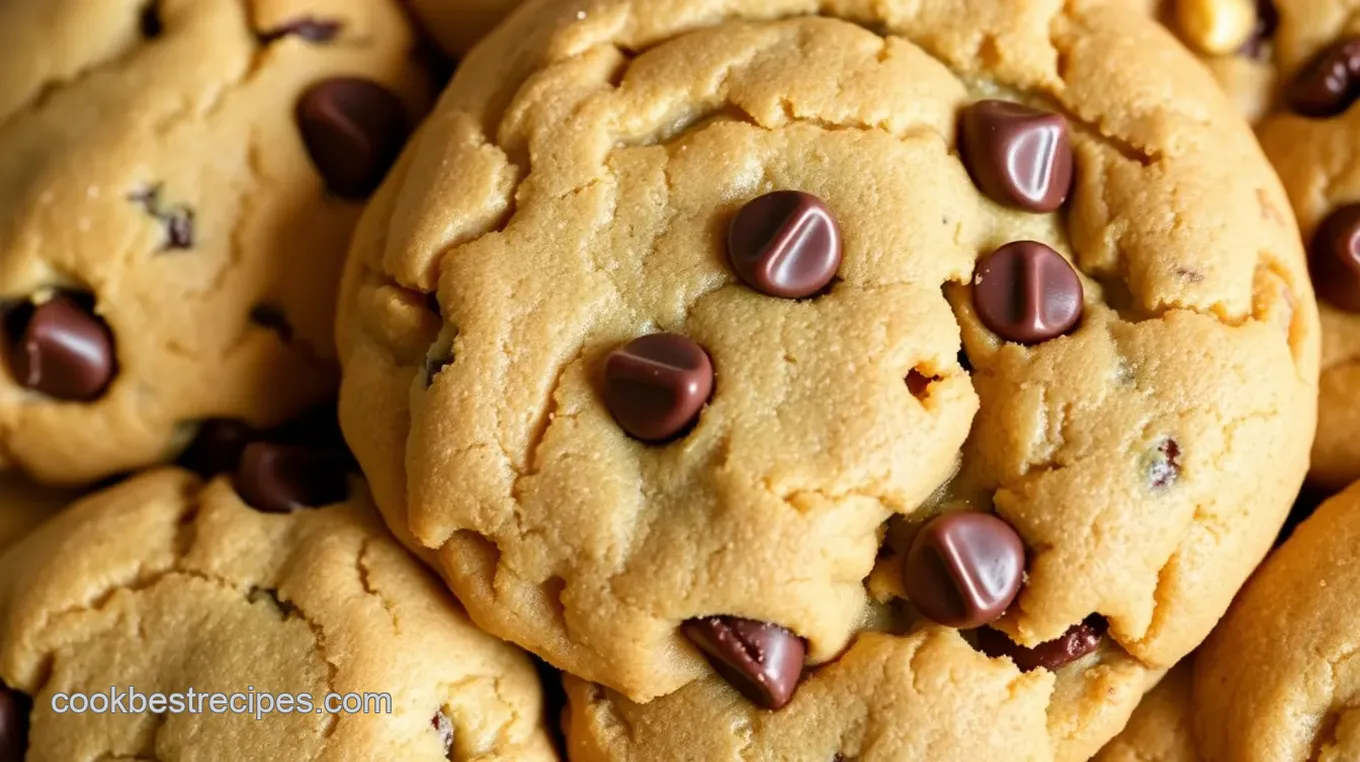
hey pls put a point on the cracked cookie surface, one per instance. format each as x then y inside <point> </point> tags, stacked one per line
<point>1161,728</point>
<point>178,196</point>
<point>1143,439</point>
<point>1279,679</point>
<point>164,583</point>
<point>1309,135</point>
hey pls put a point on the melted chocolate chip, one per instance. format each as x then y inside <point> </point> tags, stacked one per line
<point>761,660</point>
<point>305,28</point>
<point>785,244</point>
<point>1079,640</point>
<point>1019,156</point>
<point>964,569</point>
<point>656,385</point>
<point>1330,83</point>
<point>218,446</point>
<point>1334,258</point>
<point>62,349</point>
<point>1163,466</point>
<point>277,478</point>
<point>353,130</point>
<point>1027,293</point>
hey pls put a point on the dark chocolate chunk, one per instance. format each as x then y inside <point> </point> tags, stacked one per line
<point>785,244</point>
<point>1019,156</point>
<point>761,660</point>
<point>964,569</point>
<point>1079,640</point>
<point>656,385</point>
<point>1027,293</point>
<point>62,349</point>
<point>353,130</point>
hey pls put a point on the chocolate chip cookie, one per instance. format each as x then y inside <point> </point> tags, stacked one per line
<point>165,583</point>
<point>676,316</point>
<point>1161,729</point>
<point>1278,679</point>
<point>1298,71</point>
<point>179,187</point>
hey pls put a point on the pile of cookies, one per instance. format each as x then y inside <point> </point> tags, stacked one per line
<point>711,380</point>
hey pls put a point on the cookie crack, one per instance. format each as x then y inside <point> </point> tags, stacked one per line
<point>361,566</point>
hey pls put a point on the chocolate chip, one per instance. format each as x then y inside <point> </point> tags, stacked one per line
<point>1027,293</point>
<point>218,446</point>
<point>150,20</point>
<point>1078,641</point>
<point>353,130</point>
<point>14,711</point>
<point>763,661</point>
<point>62,349</point>
<point>1267,20</point>
<point>656,385</point>
<point>1019,156</point>
<point>1334,258</point>
<point>307,28</point>
<point>785,244</point>
<point>1163,465</point>
<point>178,221</point>
<point>1328,85</point>
<point>277,478</point>
<point>964,569</point>
<point>271,316</point>
<point>444,727</point>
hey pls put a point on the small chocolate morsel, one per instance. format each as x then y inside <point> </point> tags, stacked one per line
<point>444,727</point>
<point>1079,640</point>
<point>656,385</point>
<point>277,478</point>
<point>218,446</point>
<point>63,350</point>
<point>761,660</point>
<point>964,569</point>
<point>785,244</point>
<point>1267,20</point>
<point>15,708</point>
<point>1027,293</point>
<point>1328,85</point>
<point>1163,465</point>
<point>1334,258</point>
<point>1019,156</point>
<point>353,130</point>
<point>306,28</point>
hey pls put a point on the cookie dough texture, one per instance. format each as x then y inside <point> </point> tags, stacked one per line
<point>164,583</point>
<point>928,695</point>
<point>1161,729</point>
<point>1279,679</point>
<point>457,25</point>
<point>571,192</point>
<point>113,113</point>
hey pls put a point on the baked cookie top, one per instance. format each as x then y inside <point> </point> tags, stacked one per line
<point>670,306</point>
<point>180,187</point>
<point>1278,679</point>
<point>1295,76</point>
<point>164,583</point>
<point>1161,729</point>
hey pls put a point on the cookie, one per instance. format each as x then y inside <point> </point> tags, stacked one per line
<point>180,187</point>
<point>456,26</point>
<point>1161,729</point>
<point>23,506</point>
<point>671,307</point>
<point>1277,681</point>
<point>1293,71</point>
<point>164,583</point>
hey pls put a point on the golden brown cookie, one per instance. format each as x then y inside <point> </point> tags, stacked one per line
<point>671,307</point>
<point>165,584</point>
<point>1297,76</point>
<point>1278,680</point>
<point>1161,729</point>
<point>179,187</point>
